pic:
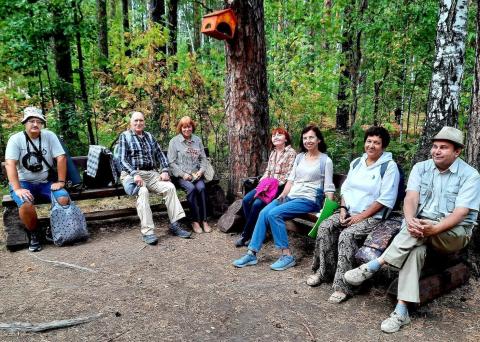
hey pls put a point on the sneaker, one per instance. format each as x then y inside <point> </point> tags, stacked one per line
<point>150,239</point>
<point>394,322</point>
<point>247,260</point>
<point>177,230</point>
<point>241,242</point>
<point>358,275</point>
<point>34,244</point>
<point>284,262</point>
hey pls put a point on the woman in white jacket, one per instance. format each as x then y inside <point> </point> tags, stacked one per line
<point>366,195</point>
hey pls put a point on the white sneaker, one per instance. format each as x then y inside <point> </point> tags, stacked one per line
<point>358,275</point>
<point>394,323</point>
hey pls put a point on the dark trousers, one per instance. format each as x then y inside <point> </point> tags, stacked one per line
<point>251,208</point>
<point>196,199</point>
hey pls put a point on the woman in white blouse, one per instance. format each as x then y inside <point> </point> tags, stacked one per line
<point>367,195</point>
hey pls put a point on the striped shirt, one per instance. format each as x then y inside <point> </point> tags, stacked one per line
<point>140,152</point>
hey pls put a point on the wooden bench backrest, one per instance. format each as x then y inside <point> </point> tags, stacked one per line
<point>80,162</point>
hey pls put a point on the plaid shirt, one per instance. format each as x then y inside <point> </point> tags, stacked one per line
<point>280,164</point>
<point>140,153</point>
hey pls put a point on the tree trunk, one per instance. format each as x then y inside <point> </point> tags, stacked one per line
<point>172,26</point>
<point>345,76</point>
<point>102,32</point>
<point>443,98</point>
<point>160,120</point>
<point>81,74</point>
<point>126,28</point>
<point>246,95</point>
<point>64,86</point>
<point>197,18</point>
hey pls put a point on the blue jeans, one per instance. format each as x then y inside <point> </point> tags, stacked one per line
<point>274,215</point>
<point>251,208</point>
<point>38,190</point>
<point>196,199</point>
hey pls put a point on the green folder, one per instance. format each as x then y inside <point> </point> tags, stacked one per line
<point>328,209</point>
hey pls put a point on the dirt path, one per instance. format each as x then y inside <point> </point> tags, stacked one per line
<point>186,290</point>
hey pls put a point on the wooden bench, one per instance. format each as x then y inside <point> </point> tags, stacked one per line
<point>16,237</point>
<point>302,224</point>
<point>440,275</point>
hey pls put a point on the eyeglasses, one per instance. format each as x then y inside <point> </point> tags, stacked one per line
<point>33,121</point>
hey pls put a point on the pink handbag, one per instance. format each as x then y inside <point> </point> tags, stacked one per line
<point>267,189</point>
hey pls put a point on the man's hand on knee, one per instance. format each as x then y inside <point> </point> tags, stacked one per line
<point>57,186</point>
<point>24,194</point>
<point>138,180</point>
<point>164,176</point>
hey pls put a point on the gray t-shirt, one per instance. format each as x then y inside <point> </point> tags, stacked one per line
<point>17,150</point>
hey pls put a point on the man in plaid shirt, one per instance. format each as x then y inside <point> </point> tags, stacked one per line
<point>145,170</point>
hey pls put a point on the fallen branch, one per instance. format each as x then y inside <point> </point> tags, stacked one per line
<point>64,264</point>
<point>309,332</point>
<point>29,327</point>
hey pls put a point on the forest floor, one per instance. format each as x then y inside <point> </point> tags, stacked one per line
<point>187,290</point>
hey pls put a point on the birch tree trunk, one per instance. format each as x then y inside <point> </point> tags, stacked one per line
<point>443,98</point>
<point>246,95</point>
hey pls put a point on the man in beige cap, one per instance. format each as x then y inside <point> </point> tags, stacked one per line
<point>440,208</point>
<point>26,158</point>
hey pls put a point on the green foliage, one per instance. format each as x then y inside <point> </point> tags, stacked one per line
<point>304,57</point>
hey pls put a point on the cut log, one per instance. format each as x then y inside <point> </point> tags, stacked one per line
<point>435,285</point>
<point>232,217</point>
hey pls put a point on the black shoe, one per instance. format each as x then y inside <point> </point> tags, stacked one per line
<point>34,245</point>
<point>241,242</point>
<point>177,230</point>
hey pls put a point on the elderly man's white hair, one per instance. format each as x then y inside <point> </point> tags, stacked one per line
<point>133,113</point>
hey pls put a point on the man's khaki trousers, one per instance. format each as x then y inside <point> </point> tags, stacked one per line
<point>152,183</point>
<point>408,254</point>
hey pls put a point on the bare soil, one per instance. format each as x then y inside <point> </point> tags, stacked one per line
<point>187,290</point>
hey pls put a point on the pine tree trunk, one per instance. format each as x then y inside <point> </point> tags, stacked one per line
<point>81,74</point>
<point>473,141</point>
<point>160,119</point>
<point>443,98</point>
<point>126,28</point>
<point>64,85</point>
<point>102,32</point>
<point>246,95</point>
<point>172,26</point>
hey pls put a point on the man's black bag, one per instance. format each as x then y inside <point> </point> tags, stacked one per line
<point>99,172</point>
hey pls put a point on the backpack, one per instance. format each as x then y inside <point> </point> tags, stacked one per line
<point>104,176</point>
<point>401,191</point>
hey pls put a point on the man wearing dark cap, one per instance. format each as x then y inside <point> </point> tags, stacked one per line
<point>26,158</point>
<point>440,209</point>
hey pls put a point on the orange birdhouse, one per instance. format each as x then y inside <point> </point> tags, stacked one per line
<point>220,24</point>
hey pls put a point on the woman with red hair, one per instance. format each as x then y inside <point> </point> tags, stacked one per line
<point>280,164</point>
<point>188,163</point>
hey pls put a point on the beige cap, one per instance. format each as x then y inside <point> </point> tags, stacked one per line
<point>451,134</point>
<point>32,112</point>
